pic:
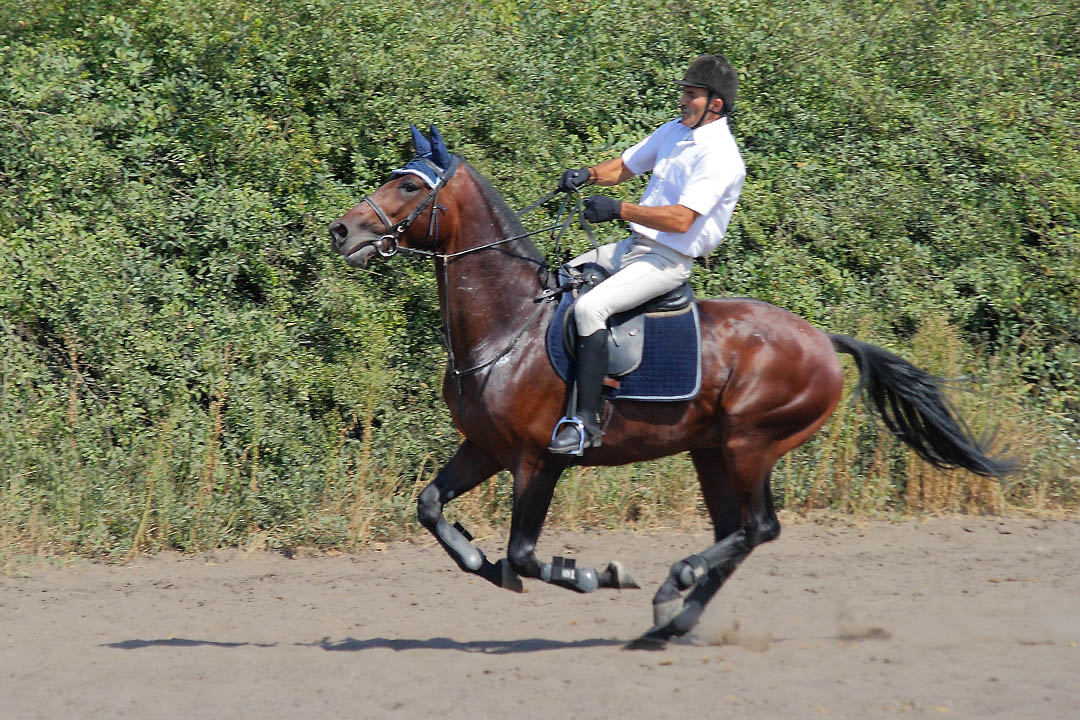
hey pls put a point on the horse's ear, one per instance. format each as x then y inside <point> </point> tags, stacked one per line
<point>423,147</point>
<point>439,154</point>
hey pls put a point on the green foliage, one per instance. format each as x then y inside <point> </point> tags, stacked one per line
<point>186,363</point>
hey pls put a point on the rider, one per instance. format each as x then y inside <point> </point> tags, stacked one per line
<point>697,174</point>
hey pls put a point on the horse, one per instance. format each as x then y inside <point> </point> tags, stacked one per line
<point>769,381</point>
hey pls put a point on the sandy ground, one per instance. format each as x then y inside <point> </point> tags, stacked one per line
<point>964,618</point>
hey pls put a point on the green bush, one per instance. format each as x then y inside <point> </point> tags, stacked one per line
<point>186,363</point>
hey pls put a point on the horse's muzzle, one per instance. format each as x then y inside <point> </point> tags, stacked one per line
<point>356,248</point>
<point>362,255</point>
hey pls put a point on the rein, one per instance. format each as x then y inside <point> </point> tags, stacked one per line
<point>557,229</point>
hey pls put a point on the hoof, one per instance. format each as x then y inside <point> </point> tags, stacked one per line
<point>501,575</point>
<point>654,639</point>
<point>682,617</point>
<point>615,576</point>
<point>664,612</point>
<point>645,642</point>
<point>508,579</point>
<point>657,637</point>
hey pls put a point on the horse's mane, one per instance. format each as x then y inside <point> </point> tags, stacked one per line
<point>508,219</point>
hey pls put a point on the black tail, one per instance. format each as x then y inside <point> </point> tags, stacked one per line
<point>915,410</point>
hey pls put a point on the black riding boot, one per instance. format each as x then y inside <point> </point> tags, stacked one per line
<point>589,379</point>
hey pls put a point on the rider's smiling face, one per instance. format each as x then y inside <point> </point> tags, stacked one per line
<point>693,104</point>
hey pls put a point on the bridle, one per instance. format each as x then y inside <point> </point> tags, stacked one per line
<point>387,244</point>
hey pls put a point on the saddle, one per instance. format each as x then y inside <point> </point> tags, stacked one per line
<point>653,349</point>
<point>626,330</point>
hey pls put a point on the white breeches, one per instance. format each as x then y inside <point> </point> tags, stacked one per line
<point>643,269</point>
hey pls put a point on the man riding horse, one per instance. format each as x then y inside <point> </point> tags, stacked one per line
<point>697,175</point>
<point>504,392</point>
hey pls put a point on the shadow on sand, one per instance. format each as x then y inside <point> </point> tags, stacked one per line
<point>180,642</point>
<point>492,647</point>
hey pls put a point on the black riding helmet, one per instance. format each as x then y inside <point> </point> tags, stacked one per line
<point>715,74</point>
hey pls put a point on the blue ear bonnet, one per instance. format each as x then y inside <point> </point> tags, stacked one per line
<point>432,157</point>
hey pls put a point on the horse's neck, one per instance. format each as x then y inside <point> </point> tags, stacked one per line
<point>487,295</point>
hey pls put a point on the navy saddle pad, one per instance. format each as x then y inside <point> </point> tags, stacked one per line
<point>670,366</point>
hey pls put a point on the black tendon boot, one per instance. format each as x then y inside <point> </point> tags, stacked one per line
<point>589,379</point>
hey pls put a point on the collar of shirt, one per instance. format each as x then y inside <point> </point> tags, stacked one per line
<point>709,131</point>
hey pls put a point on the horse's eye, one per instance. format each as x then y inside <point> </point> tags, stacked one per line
<point>409,186</point>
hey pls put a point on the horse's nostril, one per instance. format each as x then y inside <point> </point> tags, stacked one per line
<point>338,233</point>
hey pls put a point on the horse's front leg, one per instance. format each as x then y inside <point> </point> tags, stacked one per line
<point>469,467</point>
<point>534,486</point>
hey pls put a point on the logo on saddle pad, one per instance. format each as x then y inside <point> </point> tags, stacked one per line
<point>653,349</point>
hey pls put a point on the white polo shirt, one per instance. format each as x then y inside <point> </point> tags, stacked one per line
<point>700,169</point>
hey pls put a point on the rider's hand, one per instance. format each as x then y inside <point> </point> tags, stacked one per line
<point>573,180</point>
<point>601,208</point>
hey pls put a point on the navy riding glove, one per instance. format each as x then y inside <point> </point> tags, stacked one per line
<point>573,180</point>
<point>600,208</point>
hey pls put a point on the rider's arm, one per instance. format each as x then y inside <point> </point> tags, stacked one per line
<point>610,172</point>
<point>665,218</point>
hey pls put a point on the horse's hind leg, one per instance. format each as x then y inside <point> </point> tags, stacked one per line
<point>740,504</point>
<point>469,467</point>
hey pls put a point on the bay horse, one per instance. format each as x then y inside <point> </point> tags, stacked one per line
<point>770,380</point>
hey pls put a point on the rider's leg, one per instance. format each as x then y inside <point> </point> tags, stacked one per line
<point>589,368</point>
<point>647,271</point>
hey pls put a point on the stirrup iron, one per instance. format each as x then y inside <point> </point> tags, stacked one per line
<point>582,434</point>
